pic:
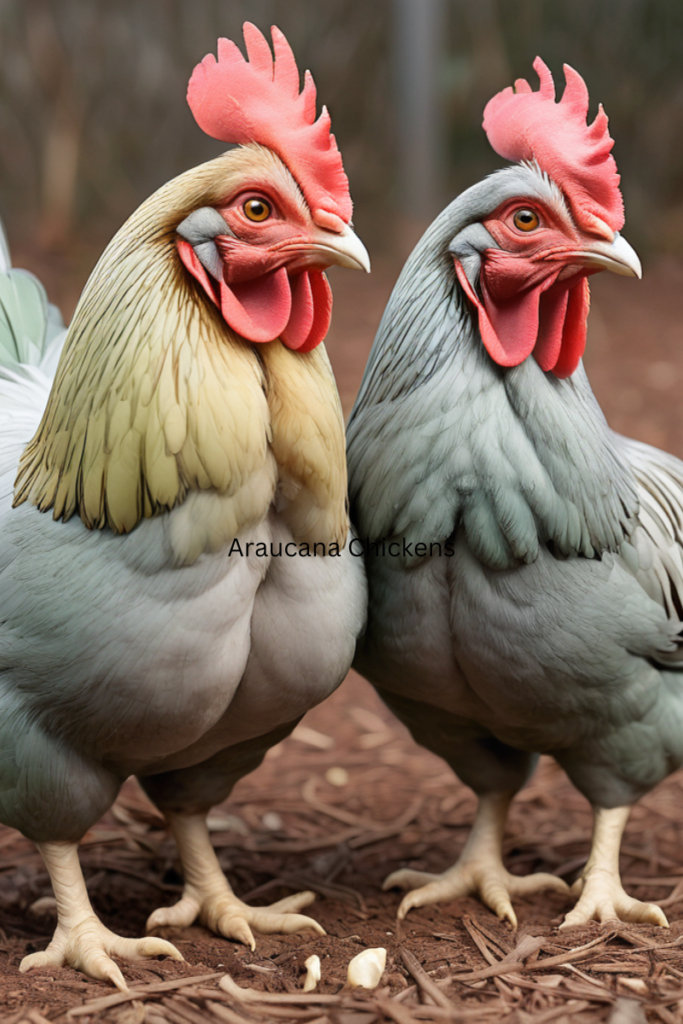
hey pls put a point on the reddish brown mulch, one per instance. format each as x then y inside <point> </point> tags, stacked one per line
<point>290,827</point>
<point>287,827</point>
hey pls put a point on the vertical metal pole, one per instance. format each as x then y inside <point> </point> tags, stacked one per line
<point>418,34</point>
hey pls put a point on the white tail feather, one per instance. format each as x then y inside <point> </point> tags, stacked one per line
<point>32,334</point>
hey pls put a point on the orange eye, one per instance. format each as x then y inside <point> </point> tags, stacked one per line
<point>526,220</point>
<point>257,209</point>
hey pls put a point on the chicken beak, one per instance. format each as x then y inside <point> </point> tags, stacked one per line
<point>617,256</point>
<point>343,250</point>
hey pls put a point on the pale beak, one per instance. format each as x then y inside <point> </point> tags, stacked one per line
<point>617,256</point>
<point>342,250</point>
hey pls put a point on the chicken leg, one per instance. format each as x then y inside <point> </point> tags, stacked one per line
<point>80,939</point>
<point>602,897</point>
<point>208,896</point>
<point>478,871</point>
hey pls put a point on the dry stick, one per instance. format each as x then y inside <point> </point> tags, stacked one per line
<point>425,983</point>
<point>139,993</point>
<point>571,1006</point>
<point>301,845</point>
<point>552,961</point>
<point>355,836</point>
<point>397,1012</point>
<point>480,943</point>
<point>496,942</point>
<point>226,1014</point>
<point>283,998</point>
<point>527,946</point>
<point>671,997</point>
<point>176,1016</point>
<point>440,1013</point>
<point>328,889</point>
<point>591,981</point>
<point>121,869</point>
<point>291,1012</point>
<point>287,1012</point>
<point>338,813</point>
<point>411,990</point>
<point>252,995</point>
<point>184,1008</point>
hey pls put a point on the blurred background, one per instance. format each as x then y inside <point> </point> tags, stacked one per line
<point>93,118</point>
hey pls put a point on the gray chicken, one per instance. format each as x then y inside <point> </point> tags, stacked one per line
<point>524,562</point>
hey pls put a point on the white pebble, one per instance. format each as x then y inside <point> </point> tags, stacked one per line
<point>337,776</point>
<point>312,966</point>
<point>367,968</point>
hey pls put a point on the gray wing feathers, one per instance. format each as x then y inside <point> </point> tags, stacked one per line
<point>655,555</point>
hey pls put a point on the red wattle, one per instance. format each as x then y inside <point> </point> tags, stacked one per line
<point>270,306</point>
<point>574,334</point>
<point>520,325</point>
<point>514,322</point>
<point>322,310</point>
<point>301,317</point>
<point>553,308</point>
<point>548,319</point>
<point>258,309</point>
<point>309,320</point>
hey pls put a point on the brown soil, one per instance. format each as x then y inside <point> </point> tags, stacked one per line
<point>288,826</point>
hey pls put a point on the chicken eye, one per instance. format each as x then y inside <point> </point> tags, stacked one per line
<point>525,220</point>
<point>257,209</point>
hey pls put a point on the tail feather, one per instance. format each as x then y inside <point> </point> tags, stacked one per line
<point>31,329</point>
<point>32,334</point>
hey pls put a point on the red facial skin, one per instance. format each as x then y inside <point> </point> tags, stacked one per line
<point>535,295</point>
<point>273,285</point>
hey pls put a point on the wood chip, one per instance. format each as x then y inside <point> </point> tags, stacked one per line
<point>423,981</point>
<point>139,992</point>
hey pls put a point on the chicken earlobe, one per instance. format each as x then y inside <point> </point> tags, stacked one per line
<point>208,896</point>
<point>81,940</point>
<point>479,870</point>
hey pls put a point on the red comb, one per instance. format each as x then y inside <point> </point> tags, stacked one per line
<point>258,100</point>
<point>528,125</point>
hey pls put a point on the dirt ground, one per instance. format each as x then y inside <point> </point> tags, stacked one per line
<point>349,798</point>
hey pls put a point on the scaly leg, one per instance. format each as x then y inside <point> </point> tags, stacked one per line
<point>478,871</point>
<point>602,897</point>
<point>208,896</point>
<point>80,939</point>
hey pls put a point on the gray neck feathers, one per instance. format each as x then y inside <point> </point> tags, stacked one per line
<point>442,439</point>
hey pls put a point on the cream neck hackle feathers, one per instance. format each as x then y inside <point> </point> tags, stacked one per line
<point>154,398</point>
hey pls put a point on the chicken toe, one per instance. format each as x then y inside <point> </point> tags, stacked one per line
<point>207,896</point>
<point>603,899</point>
<point>601,894</point>
<point>478,871</point>
<point>81,940</point>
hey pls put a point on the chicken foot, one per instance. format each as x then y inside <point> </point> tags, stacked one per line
<point>478,871</point>
<point>81,940</point>
<point>208,896</point>
<point>602,896</point>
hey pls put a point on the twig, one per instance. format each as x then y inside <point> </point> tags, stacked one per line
<point>138,993</point>
<point>424,982</point>
<point>226,1014</point>
<point>552,961</point>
